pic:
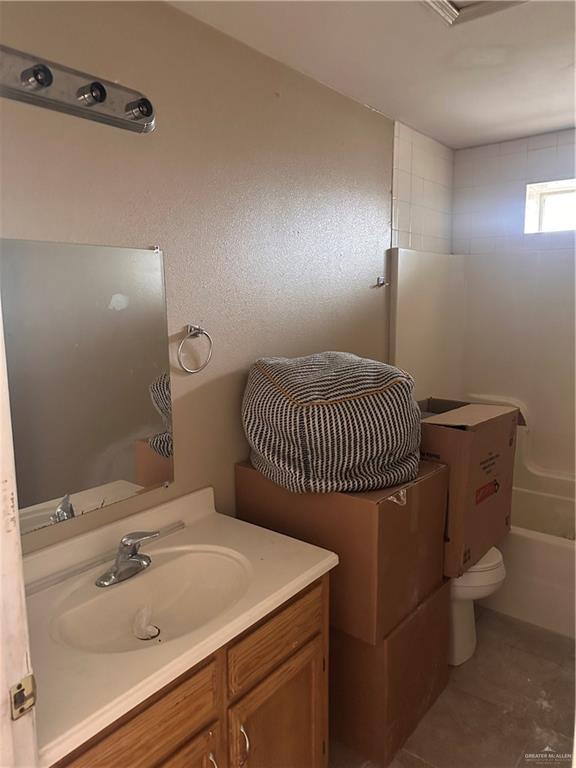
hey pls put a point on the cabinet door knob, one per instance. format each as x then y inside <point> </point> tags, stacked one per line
<point>212,760</point>
<point>246,741</point>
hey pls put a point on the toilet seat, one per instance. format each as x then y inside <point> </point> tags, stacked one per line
<point>491,560</point>
<point>479,579</point>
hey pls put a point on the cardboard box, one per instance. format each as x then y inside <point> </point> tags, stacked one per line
<point>477,442</point>
<point>390,542</point>
<point>151,469</point>
<point>379,694</point>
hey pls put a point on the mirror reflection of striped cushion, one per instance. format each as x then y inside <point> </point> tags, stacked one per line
<point>331,422</point>
<point>162,444</point>
<point>161,396</point>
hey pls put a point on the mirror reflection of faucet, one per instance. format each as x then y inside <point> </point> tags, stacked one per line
<point>64,511</point>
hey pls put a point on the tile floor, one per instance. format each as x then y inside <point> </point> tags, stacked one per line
<point>513,699</point>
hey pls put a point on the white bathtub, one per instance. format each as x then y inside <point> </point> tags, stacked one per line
<point>539,585</point>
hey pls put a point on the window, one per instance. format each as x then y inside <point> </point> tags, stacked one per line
<point>550,206</point>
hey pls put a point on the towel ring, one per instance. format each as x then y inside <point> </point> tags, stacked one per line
<point>192,332</point>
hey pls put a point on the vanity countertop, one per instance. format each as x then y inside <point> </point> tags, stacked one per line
<point>80,690</point>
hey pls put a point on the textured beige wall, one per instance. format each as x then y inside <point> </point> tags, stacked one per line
<point>269,194</point>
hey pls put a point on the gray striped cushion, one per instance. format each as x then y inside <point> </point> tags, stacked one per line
<point>331,422</point>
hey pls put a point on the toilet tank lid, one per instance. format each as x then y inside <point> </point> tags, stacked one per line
<point>491,560</point>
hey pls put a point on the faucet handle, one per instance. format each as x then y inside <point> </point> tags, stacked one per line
<point>132,541</point>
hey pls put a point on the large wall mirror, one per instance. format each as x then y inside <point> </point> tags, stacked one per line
<point>88,373</point>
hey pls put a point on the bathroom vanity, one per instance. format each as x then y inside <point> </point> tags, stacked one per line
<point>238,673</point>
<point>261,698</point>
<point>209,647</point>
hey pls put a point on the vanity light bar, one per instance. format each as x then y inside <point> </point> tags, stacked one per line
<point>46,84</point>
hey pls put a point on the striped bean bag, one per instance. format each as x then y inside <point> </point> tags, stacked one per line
<point>331,422</point>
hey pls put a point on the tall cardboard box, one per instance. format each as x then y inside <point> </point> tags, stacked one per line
<point>390,542</point>
<point>379,694</point>
<point>477,442</point>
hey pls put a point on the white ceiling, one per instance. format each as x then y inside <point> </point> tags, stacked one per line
<point>502,76</point>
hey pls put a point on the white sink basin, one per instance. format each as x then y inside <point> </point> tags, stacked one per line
<point>185,588</point>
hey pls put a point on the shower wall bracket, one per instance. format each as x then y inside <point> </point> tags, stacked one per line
<point>33,80</point>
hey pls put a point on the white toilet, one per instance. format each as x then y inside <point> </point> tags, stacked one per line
<point>482,579</point>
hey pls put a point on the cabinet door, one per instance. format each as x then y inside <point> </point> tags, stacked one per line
<point>204,751</point>
<point>282,722</point>
<point>154,732</point>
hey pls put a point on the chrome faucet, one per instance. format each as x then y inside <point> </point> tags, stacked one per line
<point>64,511</point>
<point>128,561</point>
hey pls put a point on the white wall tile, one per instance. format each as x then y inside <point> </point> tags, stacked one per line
<point>489,191</point>
<point>542,164</point>
<point>483,245</point>
<point>404,132</point>
<point>543,140</point>
<point>422,191</point>
<point>417,213</point>
<point>435,223</point>
<point>404,185</point>
<point>446,199</point>
<point>447,171</point>
<point>463,225</point>
<point>463,172</point>
<point>510,147</point>
<point>461,246</point>
<point>404,155</point>
<point>403,216</point>
<point>415,241</point>
<point>430,194</point>
<point>423,163</point>
<point>417,196</point>
<point>512,166</point>
<point>566,158</point>
<point>551,241</point>
<point>567,137</point>
<point>435,244</point>
<point>403,239</point>
<point>466,200</point>
<point>479,153</point>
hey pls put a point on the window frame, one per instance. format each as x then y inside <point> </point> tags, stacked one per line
<point>536,195</point>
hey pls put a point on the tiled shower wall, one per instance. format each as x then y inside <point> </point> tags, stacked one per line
<point>520,314</point>
<point>490,192</point>
<point>421,191</point>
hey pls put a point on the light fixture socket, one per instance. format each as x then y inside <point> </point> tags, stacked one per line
<point>37,77</point>
<point>93,93</point>
<point>140,109</point>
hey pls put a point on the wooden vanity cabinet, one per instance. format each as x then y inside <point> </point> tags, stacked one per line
<point>259,702</point>
<point>280,723</point>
